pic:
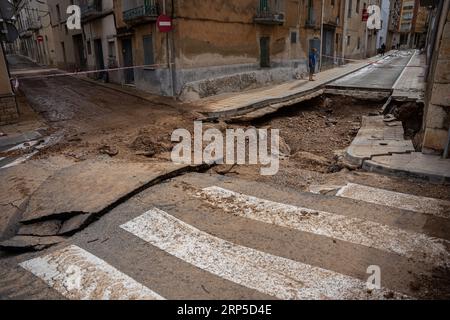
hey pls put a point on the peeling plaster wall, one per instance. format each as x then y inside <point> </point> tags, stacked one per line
<point>217,52</point>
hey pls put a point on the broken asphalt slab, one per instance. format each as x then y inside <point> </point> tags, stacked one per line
<point>26,243</point>
<point>74,196</point>
<point>92,186</point>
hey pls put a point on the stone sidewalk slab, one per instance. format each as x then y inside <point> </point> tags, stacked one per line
<point>418,165</point>
<point>377,137</point>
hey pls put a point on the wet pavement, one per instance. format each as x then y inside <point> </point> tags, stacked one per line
<point>212,237</point>
<point>380,75</point>
<point>208,235</point>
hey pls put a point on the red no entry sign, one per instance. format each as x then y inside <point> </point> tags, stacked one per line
<point>40,38</point>
<point>365,15</point>
<point>164,23</point>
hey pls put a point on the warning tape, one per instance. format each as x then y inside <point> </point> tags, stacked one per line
<point>76,73</point>
<point>62,74</point>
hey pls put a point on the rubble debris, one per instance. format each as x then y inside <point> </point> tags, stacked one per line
<point>27,243</point>
<point>44,228</point>
<point>307,157</point>
<point>148,145</point>
<point>324,189</point>
<point>108,150</point>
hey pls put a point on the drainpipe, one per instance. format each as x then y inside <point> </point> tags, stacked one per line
<point>169,58</point>
<point>344,31</point>
<point>321,35</point>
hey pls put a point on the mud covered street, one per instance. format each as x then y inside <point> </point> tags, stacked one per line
<point>99,189</point>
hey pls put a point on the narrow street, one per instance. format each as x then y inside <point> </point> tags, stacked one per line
<point>312,231</point>
<point>381,75</point>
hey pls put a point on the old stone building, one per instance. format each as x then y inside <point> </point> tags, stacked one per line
<point>36,35</point>
<point>420,27</point>
<point>408,24</point>
<point>215,46</point>
<point>393,36</point>
<point>219,46</point>
<point>99,38</point>
<point>407,17</point>
<point>436,122</point>
<point>360,42</point>
<point>69,47</point>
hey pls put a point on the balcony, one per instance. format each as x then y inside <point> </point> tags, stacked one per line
<point>34,25</point>
<point>142,14</point>
<point>268,12</point>
<point>90,10</point>
<point>25,33</point>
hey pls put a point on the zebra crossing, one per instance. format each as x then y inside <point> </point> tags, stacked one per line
<point>76,273</point>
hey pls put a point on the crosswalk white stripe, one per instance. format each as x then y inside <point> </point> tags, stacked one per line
<point>275,276</point>
<point>436,207</point>
<point>79,275</point>
<point>358,231</point>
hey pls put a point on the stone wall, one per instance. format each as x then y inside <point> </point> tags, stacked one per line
<point>8,109</point>
<point>437,120</point>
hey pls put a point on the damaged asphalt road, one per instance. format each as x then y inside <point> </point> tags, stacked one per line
<point>72,198</point>
<point>107,202</point>
<point>185,239</point>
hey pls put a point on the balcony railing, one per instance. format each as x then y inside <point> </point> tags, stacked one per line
<point>268,13</point>
<point>34,25</point>
<point>25,33</point>
<point>91,10</point>
<point>144,13</point>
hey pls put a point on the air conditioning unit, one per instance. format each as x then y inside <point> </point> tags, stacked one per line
<point>279,16</point>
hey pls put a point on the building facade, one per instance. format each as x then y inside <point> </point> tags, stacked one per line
<point>393,36</point>
<point>99,38</point>
<point>436,121</point>
<point>407,17</point>
<point>215,46</point>
<point>359,42</point>
<point>383,32</point>
<point>36,36</point>
<point>69,48</point>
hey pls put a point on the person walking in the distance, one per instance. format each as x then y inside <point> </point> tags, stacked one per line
<point>383,49</point>
<point>312,63</point>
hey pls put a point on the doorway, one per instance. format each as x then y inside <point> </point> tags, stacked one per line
<point>328,48</point>
<point>127,54</point>
<point>264,43</point>
<point>99,61</point>
<point>79,51</point>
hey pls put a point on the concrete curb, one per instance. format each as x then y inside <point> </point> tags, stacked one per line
<point>373,166</point>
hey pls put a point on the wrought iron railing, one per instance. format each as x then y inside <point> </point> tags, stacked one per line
<point>146,10</point>
<point>268,13</point>
<point>91,7</point>
<point>34,25</point>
